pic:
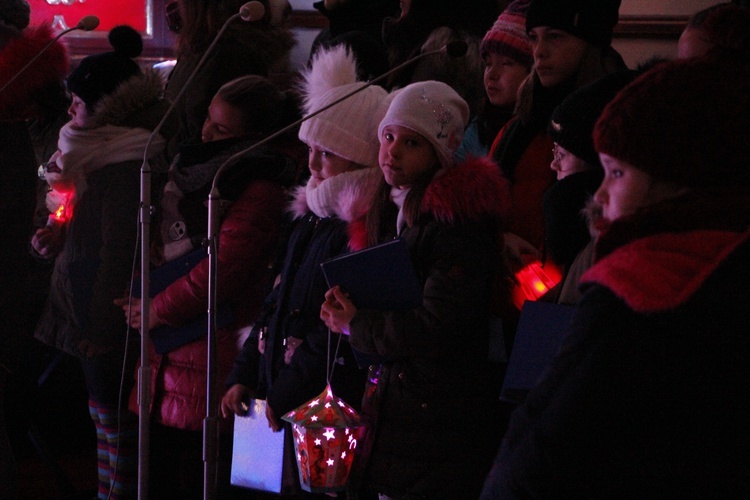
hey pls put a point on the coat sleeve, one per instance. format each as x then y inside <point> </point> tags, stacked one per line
<point>247,241</point>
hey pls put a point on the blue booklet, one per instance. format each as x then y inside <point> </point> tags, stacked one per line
<point>541,329</point>
<point>381,277</point>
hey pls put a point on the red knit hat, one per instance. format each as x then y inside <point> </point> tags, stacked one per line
<point>508,35</point>
<point>685,122</point>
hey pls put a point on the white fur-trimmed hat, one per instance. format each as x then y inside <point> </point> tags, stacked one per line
<point>350,128</point>
<point>435,111</point>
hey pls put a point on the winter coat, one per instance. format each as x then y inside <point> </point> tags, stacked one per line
<point>254,190</point>
<point>18,102</point>
<point>242,50</point>
<point>94,267</point>
<point>431,403</point>
<point>293,308</point>
<point>648,394</point>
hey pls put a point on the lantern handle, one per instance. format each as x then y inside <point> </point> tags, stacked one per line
<point>330,366</point>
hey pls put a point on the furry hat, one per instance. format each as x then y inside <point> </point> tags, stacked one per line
<point>508,36</point>
<point>573,120</point>
<point>349,128</point>
<point>100,74</point>
<point>435,111</point>
<point>15,13</point>
<point>589,20</point>
<point>683,122</point>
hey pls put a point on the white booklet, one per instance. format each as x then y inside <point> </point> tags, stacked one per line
<point>257,452</point>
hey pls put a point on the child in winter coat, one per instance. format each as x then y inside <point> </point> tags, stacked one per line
<point>647,395</point>
<point>253,193</point>
<point>429,402</point>
<point>92,237</point>
<point>285,358</point>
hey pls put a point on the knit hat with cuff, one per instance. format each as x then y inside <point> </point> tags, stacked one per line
<point>589,20</point>
<point>508,36</point>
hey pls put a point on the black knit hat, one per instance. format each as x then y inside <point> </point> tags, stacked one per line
<point>589,20</point>
<point>15,13</point>
<point>100,74</point>
<point>572,122</point>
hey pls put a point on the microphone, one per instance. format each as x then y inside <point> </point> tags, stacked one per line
<point>250,11</point>
<point>87,23</point>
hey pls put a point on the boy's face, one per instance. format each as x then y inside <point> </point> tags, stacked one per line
<point>557,54</point>
<point>565,163</point>
<point>503,76</point>
<point>79,113</point>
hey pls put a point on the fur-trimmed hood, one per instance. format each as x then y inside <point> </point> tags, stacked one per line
<point>137,102</point>
<point>17,100</point>
<point>464,193</point>
<point>346,196</point>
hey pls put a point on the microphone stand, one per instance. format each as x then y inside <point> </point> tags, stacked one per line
<point>146,211</point>
<point>88,23</point>
<point>454,49</point>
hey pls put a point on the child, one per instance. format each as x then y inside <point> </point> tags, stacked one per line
<point>285,358</point>
<point>506,53</point>
<point>430,404</point>
<point>252,191</point>
<point>723,26</point>
<point>571,46</point>
<point>647,396</point>
<point>95,184</point>
<point>579,173</point>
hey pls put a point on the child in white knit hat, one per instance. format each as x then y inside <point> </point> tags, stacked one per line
<point>431,392</point>
<point>284,359</point>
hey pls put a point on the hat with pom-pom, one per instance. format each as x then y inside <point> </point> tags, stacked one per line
<point>349,128</point>
<point>15,13</point>
<point>100,74</point>
<point>435,111</point>
<point>508,36</point>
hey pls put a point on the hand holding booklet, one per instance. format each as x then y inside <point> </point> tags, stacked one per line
<point>381,277</point>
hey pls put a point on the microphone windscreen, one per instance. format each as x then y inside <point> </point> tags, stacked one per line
<point>88,23</point>
<point>252,11</point>
<point>456,48</point>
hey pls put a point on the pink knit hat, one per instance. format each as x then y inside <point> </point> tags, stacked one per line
<point>508,35</point>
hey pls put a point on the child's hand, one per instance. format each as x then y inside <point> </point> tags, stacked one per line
<point>234,401</point>
<point>337,311</point>
<point>132,308</point>
<point>47,242</point>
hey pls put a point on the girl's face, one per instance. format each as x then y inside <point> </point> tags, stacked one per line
<point>79,113</point>
<point>557,54</point>
<point>625,189</point>
<point>405,156</point>
<point>223,121</point>
<point>323,164</point>
<point>565,163</point>
<point>503,76</point>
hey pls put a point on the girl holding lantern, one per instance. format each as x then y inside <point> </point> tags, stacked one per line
<point>428,399</point>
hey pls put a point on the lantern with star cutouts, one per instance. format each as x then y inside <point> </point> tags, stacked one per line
<point>326,431</point>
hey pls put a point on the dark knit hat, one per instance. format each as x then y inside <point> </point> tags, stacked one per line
<point>508,35</point>
<point>589,20</point>
<point>684,122</point>
<point>100,74</point>
<point>572,122</point>
<point>15,13</point>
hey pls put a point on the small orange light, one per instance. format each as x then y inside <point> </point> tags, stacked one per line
<point>60,212</point>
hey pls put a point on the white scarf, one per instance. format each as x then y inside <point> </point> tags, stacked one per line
<point>344,195</point>
<point>399,196</point>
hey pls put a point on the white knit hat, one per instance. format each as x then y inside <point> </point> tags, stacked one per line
<point>350,128</point>
<point>433,110</point>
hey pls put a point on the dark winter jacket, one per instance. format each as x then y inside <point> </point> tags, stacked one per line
<point>293,310</point>
<point>19,102</point>
<point>95,264</point>
<point>430,404</point>
<point>647,396</point>
<point>253,195</point>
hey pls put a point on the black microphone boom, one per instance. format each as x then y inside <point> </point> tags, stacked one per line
<point>87,23</point>
<point>250,11</point>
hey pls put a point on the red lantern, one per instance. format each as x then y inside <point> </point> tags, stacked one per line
<point>534,280</point>
<point>326,431</point>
